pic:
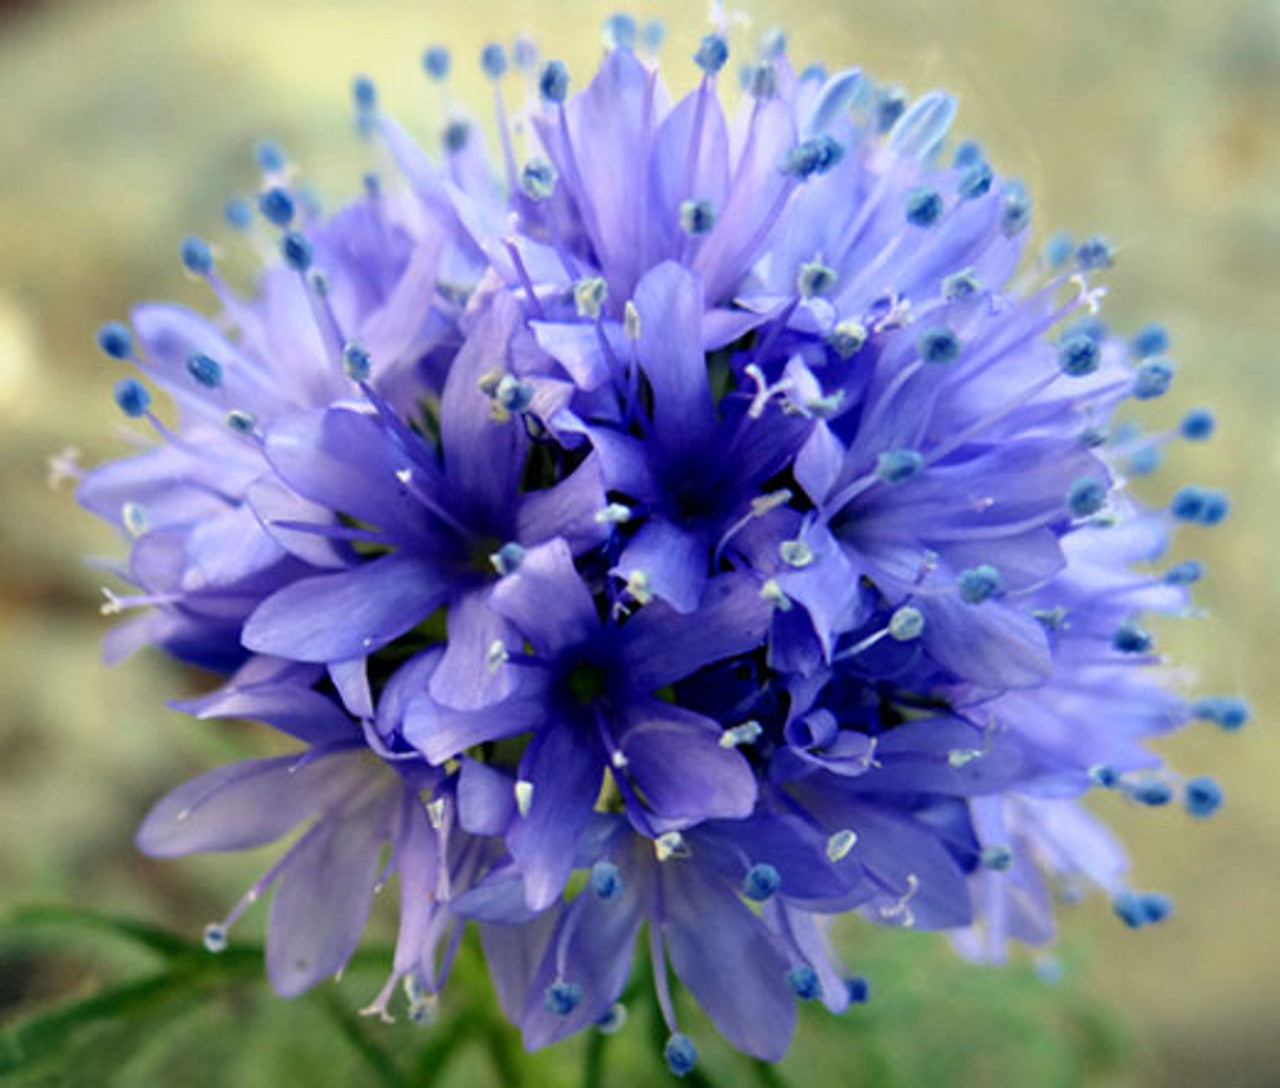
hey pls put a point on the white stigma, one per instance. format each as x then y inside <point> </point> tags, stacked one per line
<point>435,813</point>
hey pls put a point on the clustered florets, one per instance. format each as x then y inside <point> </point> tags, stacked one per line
<point>712,526</point>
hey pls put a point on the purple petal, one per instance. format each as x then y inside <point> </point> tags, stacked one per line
<point>441,732</point>
<point>674,561</point>
<point>246,804</point>
<point>336,617</point>
<point>663,646</point>
<point>675,758</point>
<point>727,958</point>
<point>669,300</point>
<point>324,895</point>
<point>547,600</point>
<point>565,774</point>
<point>464,680</point>
<point>567,510</point>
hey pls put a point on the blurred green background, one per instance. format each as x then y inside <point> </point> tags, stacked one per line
<point>126,124</point>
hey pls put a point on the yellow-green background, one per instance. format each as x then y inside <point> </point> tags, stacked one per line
<point>125,124</point>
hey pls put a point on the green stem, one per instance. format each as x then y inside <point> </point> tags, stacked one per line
<point>593,1059</point>
<point>505,1058</point>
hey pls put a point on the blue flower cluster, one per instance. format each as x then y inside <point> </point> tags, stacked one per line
<point>677,523</point>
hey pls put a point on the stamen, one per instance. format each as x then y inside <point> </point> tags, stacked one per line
<point>804,982</point>
<point>606,880</point>
<point>670,845</point>
<point>840,843</point>
<point>747,732</point>
<point>115,340</point>
<point>772,592</point>
<point>524,796</point>
<point>561,997</point>
<point>680,1054</point>
<point>1202,797</point>
<point>760,883</point>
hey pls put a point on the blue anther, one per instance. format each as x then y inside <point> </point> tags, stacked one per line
<point>1202,797</point>
<point>1015,213</point>
<point>1138,909</point>
<point>761,881</point>
<point>524,53</point>
<point>562,997</point>
<point>1078,355</point>
<point>962,284</point>
<point>538,179</point>
<point>859,990</point>
<point>435,62</point>
<point>132,397</point>
<point>1130,638</point>
<point>1058,250</point>
<point>1151,340</point>
<point>507,559</point>
<point>815,278</point>
<point>979,583</point>
<point>1185,573</point>
<point>1104,775</point>
<point>493,60</point>
<point>654,34</point>
<point>895,466</point>
<point>1197,425</point>
<point>697,217</point>
<point>1153,378</point>
<point>761,80</point>
<point>115,340</point>
<point>205,369</point>
<point>455,136</point>
<point>890,105</point>
<point>976,181</point>
<point>967,153</point>
<point>1200,505</point>
<point>238,213</point>
<point>712,54</point>
<point>1228,712</point>
<point>276,206</point>
<point>924,206</point>
<point>270,157</point>
<point>1086,496</point>
<point>812,157</point>
<point>804,982</point>
<point>606,880</point>
<point>1152,792</point>
<point>938,345</point>
<point>620,31</point>
<point>357,363</point>
<point>197,258</point>
<point>680,1054</point>
<point>364,94</point>
<point>1094,253</point>
<point>553,83</point>
<point>296,250</point>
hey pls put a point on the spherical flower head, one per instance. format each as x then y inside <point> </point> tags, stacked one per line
<point>701,447</point>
